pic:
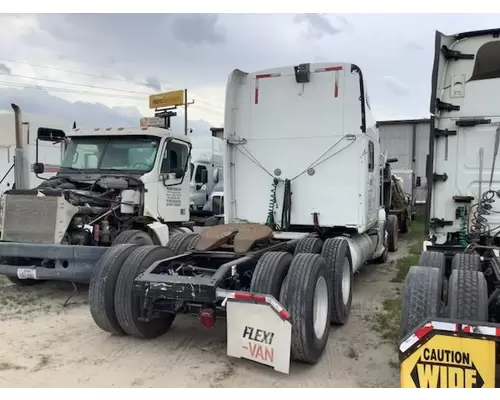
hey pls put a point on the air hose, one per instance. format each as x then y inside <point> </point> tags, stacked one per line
<point>462,234</point>
<point>287,206</point>
<point>272,204</point>
<point>479,222</point>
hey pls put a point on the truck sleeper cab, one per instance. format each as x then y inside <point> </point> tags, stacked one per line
<point>451,298</point>
<point>297,226</point>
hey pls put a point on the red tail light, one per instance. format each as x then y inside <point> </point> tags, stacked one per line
<point>207,318</point>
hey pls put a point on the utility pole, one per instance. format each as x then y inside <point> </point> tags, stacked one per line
<point>186,111</point>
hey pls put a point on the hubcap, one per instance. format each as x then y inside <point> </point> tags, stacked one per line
<point>320,307</point>
<point>346,281</point>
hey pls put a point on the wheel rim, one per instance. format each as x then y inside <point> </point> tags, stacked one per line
<point>346,280</point>
<point>320,314</point>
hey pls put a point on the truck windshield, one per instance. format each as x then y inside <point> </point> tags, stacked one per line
<point>130,153</point>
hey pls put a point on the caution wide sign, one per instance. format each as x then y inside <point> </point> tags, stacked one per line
<point>450,362</point>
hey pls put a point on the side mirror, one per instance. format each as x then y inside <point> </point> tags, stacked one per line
<point>204,176</point>
<point>38,168</point>
<point>392,160</point>
<point>418,182</point>
<point>179,173</point>
<point>216,175</point>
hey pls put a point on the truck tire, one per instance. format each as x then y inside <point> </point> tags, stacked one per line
<point>211,221</point>
<point>183,242</point>
<point>270,272</point>
<point>127,305</point>
<point>432,259</point>
<point>467,261</point>
<point>307,301</point>
<point>102,287</point>
<point>133,236</point>
<point>421,297</point>
<point>337,255</point>
<point>309,245</point>
<point>405,225</point>
<point>392,233</point>
<point>468,296</point>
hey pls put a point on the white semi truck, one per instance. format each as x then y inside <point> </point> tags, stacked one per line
<point>121,185</point>
<point>302,215</point>
<point>206,168</point>
<point>451,299</point>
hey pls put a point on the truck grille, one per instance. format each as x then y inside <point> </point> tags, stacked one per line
<point>218,204</point>
<point>29,219</point>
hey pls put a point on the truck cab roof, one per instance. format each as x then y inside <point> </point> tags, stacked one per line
<point>124,131</point>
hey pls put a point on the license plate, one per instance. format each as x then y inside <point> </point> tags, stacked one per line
<point>26,273</point>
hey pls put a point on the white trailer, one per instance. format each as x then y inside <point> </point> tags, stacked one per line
<point>302,214</point>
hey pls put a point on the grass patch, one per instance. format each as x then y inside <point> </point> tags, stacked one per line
<point>388,320</point>
<point>416,237</point>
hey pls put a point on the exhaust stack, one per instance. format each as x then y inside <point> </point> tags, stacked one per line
<point>19,153</point>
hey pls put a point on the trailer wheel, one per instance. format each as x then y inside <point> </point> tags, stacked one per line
<point>337,255</point>
<point>467,261</point>
<point>102,287</point>
<point>307,299</point>
<point>421,297</point>
<point>270,273</point>
<point>127,305</point>
<point>309,245</point>
<point>468,295</point>
<point>392,232</point>
<point>133,236</point>
<point>183,242</point>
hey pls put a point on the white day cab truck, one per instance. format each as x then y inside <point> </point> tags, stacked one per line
<point>451,299</point>
<point>114,186</point>
<point>297,226</point>
<point>206,168</point>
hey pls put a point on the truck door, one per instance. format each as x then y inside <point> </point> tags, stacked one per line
<point>201,185</point>
<point>173,191</point>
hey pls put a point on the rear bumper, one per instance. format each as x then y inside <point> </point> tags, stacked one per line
<point>70,263</point>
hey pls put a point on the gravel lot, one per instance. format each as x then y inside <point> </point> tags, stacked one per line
<point>46,344</point>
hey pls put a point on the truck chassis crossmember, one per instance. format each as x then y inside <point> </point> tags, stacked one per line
<point>164,291</point>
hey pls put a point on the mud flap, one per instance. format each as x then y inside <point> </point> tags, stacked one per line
<point>448,354</point>
<point>258,329</point>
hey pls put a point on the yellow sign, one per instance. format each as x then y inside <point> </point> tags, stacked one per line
<point>168,99</point>
<point>450,362</point>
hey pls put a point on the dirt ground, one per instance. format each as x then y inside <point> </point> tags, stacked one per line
<point>44,344</point>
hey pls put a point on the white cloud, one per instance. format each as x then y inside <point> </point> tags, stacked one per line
<point>395,86</point>
<point>134,55</point>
